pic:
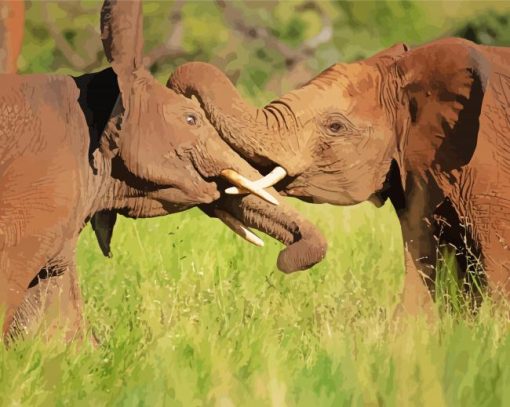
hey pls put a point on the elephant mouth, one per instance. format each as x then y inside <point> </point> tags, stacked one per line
<point>305,246</point>
<point>277,177</point>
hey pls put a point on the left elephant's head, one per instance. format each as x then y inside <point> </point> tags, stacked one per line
<point>165,156</point>
<point>153,134</point>
<point>337,136</point>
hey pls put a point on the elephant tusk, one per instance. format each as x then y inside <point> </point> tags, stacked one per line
<point>244,183</point>
<point>269,180</point>
<point>238,227</point>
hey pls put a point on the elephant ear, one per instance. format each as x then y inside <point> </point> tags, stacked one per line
<point>388,55</point>
<point>122,37</point>
<point>443,85</point>
<point>103,223</point>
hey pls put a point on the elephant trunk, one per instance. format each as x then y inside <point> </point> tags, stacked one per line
<point>305,244</point>
<point>262,136</point>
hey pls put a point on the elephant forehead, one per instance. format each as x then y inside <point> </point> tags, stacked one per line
<point>355,79</point>
<point>311,103</point>
<point>346,94</point>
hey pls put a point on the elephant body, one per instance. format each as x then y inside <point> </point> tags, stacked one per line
<point>108,143</point>
<point>457,192</point>
<point>427,128</point>
<point>49,189</point>
<point>475,179</point>
<point>53,179</point>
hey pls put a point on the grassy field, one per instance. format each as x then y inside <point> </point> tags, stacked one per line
<point>188,314</point>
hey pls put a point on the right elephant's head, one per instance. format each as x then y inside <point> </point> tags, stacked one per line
<point>167,157</point>
<point>337,136</point>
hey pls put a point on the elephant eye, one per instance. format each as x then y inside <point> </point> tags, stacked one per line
<point>336,127</point>
<point>191,119</point>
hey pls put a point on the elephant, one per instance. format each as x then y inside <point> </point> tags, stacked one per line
<point>427,128</point>
<point>86,148</point>
<point>11,33</point>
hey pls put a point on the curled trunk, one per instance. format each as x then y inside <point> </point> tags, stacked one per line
<point>305,244</point>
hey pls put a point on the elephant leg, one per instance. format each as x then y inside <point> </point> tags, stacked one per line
<point>27,315</point>
<point>424,236</point>
<point>416,296</point>
<point>420,261</point>
<point>490,220</point>
<point>53,303</point>
<point>51,306</point>
<point>11,294</point>
<point>17,269</point>
<point>498,273</point>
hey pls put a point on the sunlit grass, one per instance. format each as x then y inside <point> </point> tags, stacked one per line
<point>188,314</point>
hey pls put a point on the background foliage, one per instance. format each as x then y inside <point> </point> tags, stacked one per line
<point>187,314</point>
<point>267,47</point>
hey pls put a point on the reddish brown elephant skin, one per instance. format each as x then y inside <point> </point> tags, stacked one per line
<point>11,33</point>
<point>116,141</point>
<point>428,127</point>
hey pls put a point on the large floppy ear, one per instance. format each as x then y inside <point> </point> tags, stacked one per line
<point>122,36</point>
<point>103,223</point>
<point>442,86</point>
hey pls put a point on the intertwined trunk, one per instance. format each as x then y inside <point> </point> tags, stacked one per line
<point>264,137</point>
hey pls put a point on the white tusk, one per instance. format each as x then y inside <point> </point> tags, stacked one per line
<point>238,227</point>
<point>269,180</point>
<point>272,178</point>
<point>244,183</point>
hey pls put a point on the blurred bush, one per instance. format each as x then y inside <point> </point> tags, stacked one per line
<point>491,28</point>
<point>267,47</point>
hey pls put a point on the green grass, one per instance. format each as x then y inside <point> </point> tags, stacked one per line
<point>188,314</point>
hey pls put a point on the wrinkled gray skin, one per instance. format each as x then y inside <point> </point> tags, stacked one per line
<point>427,128</point>
<point>116,141</point>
